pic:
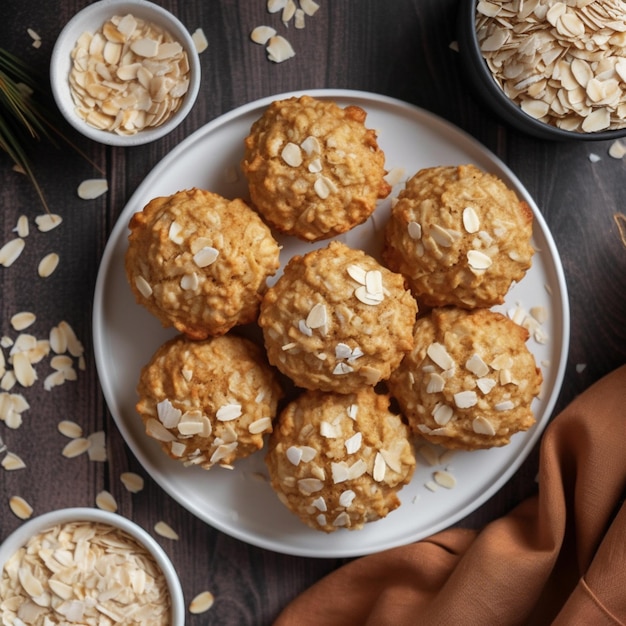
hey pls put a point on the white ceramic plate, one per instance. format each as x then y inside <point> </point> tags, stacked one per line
<point>236,501</point>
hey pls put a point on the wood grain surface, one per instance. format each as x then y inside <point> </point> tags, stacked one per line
<point>400,49</point>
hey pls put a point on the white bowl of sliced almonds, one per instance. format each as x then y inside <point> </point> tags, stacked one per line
<point>555,70</point>
<point>78,565</point>
<point>124,73</point>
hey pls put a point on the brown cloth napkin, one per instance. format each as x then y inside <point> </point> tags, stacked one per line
<point>557,558</point>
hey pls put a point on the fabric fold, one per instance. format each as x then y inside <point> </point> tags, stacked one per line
<point>557,558</point>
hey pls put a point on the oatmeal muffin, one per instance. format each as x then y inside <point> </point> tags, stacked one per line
<point>208,401</point>
<point>313,169</point>
<point>199,262</point>
<point>460,236</point>
<point>338,461</point>
<point>469,381</point>
<point>337,320</point>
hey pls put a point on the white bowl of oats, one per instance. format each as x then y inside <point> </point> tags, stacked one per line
<point>124,73</point>
<point>549,69</point>
<point>66,565</point>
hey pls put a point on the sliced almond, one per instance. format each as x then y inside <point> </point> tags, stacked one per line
<point>279,49</point>
<point>92,188</point>
<point>262,34</point>
<point>200,40</point>
<point>23,320</point>
<point>165,530</point>
<point>201,603</point>
<point>48,265</point>
<point>48,221</point>
<point>133,482</point>
<point>76,447</point>
<point>10,251</point>
<point>70,429</point>
<point>106,501</point>
<point>12,462</point>
<point>20,507</point>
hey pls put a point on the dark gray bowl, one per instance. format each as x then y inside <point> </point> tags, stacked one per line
<point>479,76</point>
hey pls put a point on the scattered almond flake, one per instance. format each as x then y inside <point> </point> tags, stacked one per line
<point>317,317</point>
<point>33,34</point>
<point>291,154</point>
<point>48,264</point>
<point>289,346</point>
<point>471,222</point>
<point>47,222</point>
<point>324,186</point>
<point>477,366</point>
<point>143,286</point>
<point>594,158</point>
<point>289,11</point>
<point>442,414</point>
<point>431,485</point>
<point>8,381</point>
<point>22,228</point>
<point>24,319</point>
<point>168,415</point>
<point>395,176</point>
<point>380,468</point>
<point>76,447</point>
<point>206,256</point>
<point>25,373</point>
<point>294,455</point>
<point>163,529</point>
<point>279,49</point>
<point>436,383</point>
<point>229,412</point>
<point>200,40</point>
<point>505,405</point>
<point>12,462</point>
<point>617,149</point>
<point>465,399</point>
<point>444,479</point>
<point>342,368</point>
<point>97,451</point>
<point>10,251</point>
<point>20,507</point>
<point>201,603</point>
<point>439,355</point>
<point>70,429</point>
<point>486,384</point>
<point>482,426</point>
<point>274,6</point>
<point>311,145</point>
<point>307,486</point>
<point>310,7</point>
<point>478,260</point>
<point>353,444</point>
<point>54,380</point>
<point>414,230</point>
<point>74,346</point>
<point>262,425</point>
<point>299,21</point>
<point>581,367</point>
<point>346,498</point>
<point>106,501</point>
<point>343,519</point>
<point>92,188</point>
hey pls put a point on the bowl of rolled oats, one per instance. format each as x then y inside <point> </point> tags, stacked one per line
<point>553,69</point>
<point>124,73</point>
<point>84,565</point>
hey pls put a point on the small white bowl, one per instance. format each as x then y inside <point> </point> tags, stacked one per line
<point>44,522</point>
<point>91,19</point>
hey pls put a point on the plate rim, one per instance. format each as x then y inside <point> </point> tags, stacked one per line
<point>121,224</point>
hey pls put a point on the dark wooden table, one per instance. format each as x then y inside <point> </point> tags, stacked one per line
<point>400,49</point>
